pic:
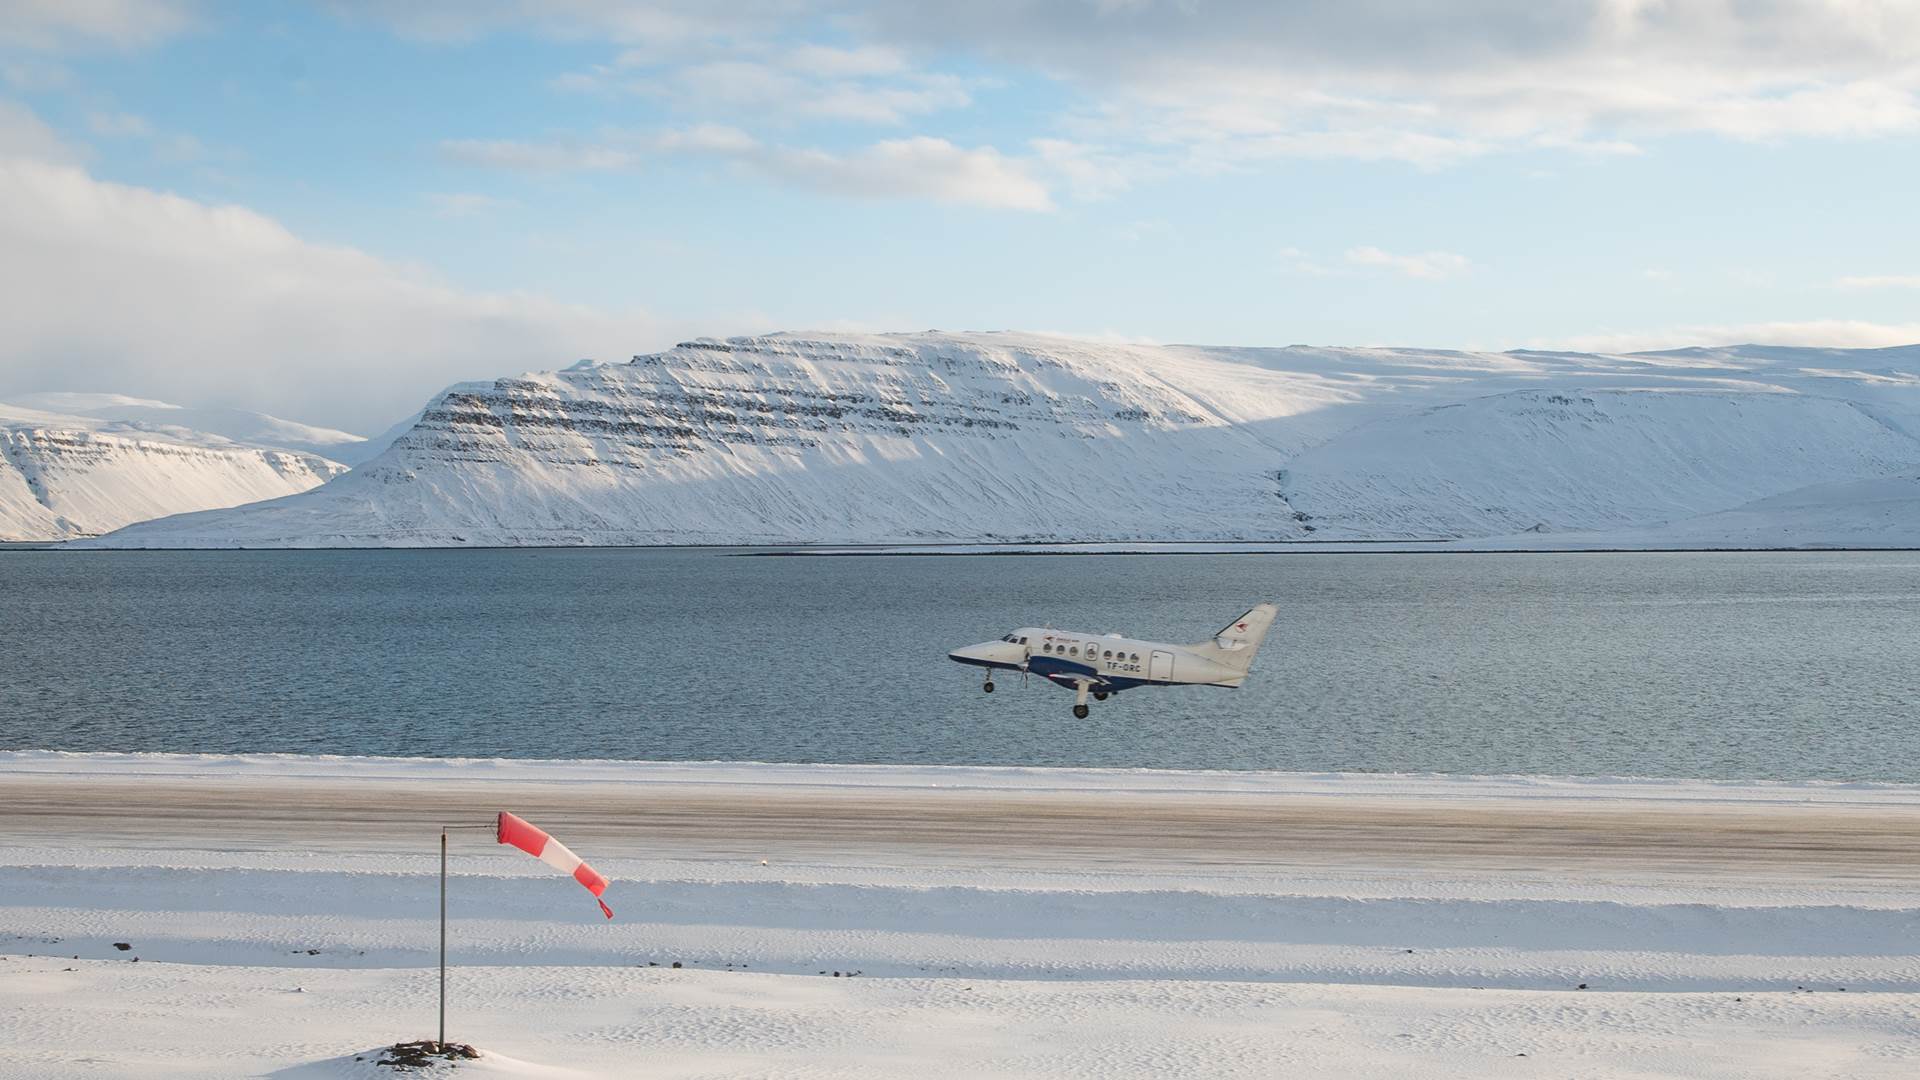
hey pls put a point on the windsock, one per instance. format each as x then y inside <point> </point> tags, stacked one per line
<point>535,842</point>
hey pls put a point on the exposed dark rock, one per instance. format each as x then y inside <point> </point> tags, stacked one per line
<point>424,1054</point>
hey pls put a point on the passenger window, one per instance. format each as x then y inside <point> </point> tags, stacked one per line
<point>1075,651</point>
<point>1048,647</point>
<point>1108,655</point>
<point>1135,658</point>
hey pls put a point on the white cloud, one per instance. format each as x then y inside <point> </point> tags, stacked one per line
<point>1232,82</point>
<point>105,285</point>
<point>866,60</point>
<point>53,24</point>
<point>1428,83</point>
<point>562,156</point>
<point>1089,172</point>
<point>918,167</point>
<point>1820,333</point>
<point>707,139</point>
<point>35,74</point>
<point>1879,281</point>
<point>652,23</point>
<point>23,134</point>
<point>1428,265</point>
<point>788,83</point>
<point>170,148</point>
<point>119,125</point>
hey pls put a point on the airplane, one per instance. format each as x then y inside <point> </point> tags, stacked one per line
<point>1098,665</point>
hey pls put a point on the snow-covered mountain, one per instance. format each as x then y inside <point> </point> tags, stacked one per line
<point>934,436</point>
<point>64,475</point>
<point>236,425</point>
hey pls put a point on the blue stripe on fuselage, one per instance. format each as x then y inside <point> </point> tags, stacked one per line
<point>1050,666</point>
<point>1054,667</point>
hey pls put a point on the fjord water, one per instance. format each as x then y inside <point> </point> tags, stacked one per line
<point>1739,666</point>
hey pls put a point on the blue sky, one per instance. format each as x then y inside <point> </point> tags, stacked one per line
<point>330,210</point>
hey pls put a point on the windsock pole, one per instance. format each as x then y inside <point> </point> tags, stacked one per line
<point>443,923</point>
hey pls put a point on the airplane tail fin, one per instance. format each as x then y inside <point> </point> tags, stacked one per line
<point>1239,640</point>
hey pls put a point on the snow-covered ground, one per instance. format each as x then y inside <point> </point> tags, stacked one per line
<point>121,460</point>
<point>932,437</point>
<point>983,921</point>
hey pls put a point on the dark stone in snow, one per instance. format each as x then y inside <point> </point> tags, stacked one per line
<point>423,1053</point>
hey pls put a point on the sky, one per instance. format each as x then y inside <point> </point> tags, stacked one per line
<point>331,210</point>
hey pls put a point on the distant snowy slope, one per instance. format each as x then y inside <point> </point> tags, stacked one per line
<point>1587,459</point>
<point>238,425</point>
<point>65,476</point>
<point>1882,512</point>
<point>935,436</point>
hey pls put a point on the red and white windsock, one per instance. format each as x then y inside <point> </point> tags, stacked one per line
<point>535,842</point>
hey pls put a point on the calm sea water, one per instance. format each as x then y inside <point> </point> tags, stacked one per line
<point>1703,665</point>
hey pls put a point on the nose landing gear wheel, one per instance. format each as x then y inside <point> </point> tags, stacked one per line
<point>1079,712</point>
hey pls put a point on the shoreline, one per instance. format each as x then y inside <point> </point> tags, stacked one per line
<point>192,764</point>
<point>935,548</point>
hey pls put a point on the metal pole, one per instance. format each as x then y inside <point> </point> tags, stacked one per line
<point>443,936</point>
<point>443,921</point>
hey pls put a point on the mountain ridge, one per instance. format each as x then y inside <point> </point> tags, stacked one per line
<point>931,436</point>
<point>64,476</point>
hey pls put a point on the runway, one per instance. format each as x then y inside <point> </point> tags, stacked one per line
<point>1869,841</point>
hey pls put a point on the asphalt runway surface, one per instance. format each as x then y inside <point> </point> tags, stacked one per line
<point>1866,843</point>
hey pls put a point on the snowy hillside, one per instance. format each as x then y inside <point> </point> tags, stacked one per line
<point>933,436</point>
<point>63,476</point>
<point>1591,459</point>
<point>1881,512</point>
<point>237,425</point>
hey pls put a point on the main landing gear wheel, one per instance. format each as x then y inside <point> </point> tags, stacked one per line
<point>1079,712</point>
<point>1099,697</point>
<point>989,687</point>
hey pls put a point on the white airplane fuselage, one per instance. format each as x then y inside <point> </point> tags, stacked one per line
<point>1103,664</point>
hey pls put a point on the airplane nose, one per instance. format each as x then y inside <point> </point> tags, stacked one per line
<point>989,652</point>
